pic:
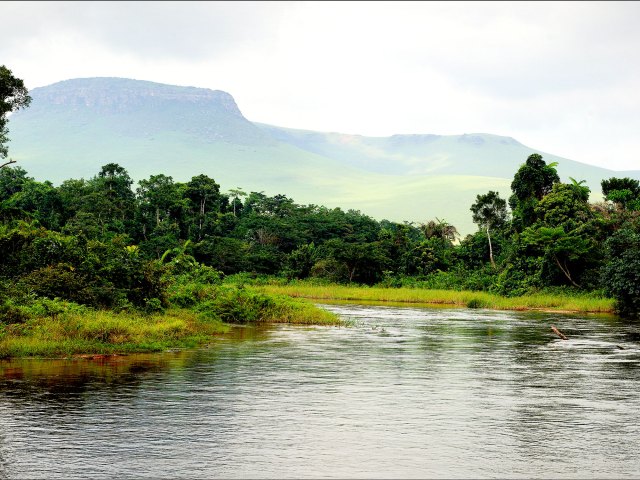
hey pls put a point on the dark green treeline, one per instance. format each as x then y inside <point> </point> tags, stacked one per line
<point>103,241</point>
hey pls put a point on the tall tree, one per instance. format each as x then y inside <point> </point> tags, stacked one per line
<point>567,231</point>
<point>13,96</point>
<point>489,211</point>
<point>532,181</point>
<point>204,200</point>
<point>114,200</point>
<point>236,193</point>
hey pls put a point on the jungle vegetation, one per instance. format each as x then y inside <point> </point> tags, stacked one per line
<point>107,243</point>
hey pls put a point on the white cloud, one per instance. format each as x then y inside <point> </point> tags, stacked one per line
<point>558,76</point>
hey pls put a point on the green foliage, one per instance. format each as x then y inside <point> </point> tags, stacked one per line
<point>490,211</point>
<point>12,314</point>
<point>624,192</point>
<point>530,184</point>
<point>301,261</point>
<point>477,303</point>
<point>13,96</point>
<point>234,305</point>
<point>621,272</point>
<point>566,234</point>
<point>169,245</point>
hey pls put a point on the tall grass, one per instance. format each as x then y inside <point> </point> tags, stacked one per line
<point>52,328</point>
<point>542,301</point>
<point>104,332</point>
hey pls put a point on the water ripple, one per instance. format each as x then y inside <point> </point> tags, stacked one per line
<point>400,393</point>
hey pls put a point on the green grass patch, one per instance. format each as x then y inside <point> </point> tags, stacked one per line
<point>53,328</point>
<point>105,332</point>
<point>470,299</point>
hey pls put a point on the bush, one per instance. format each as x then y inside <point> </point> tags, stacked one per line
<point>11,314</point>
<point>236,305</point>
<point>477,303</point>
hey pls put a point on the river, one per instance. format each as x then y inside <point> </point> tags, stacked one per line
<point>399,392</point>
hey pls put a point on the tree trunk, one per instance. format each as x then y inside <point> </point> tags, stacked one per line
<point>565,270</point>
<point>493,264</point>
<point>352,272</point>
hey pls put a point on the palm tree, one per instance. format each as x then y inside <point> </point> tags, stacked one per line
<point>582,190</point>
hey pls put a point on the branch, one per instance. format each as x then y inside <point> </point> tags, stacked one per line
<point>8,163</point>
<point>565,270</point>
<point>558,332</point>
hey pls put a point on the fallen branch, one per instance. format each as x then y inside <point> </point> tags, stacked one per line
<point>559,333</point>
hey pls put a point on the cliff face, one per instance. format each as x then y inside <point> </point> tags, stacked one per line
<point>134,108</point>
<point>110,95</point>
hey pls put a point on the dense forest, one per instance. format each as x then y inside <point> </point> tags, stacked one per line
<point>106,243</point>
<point>101,243</point>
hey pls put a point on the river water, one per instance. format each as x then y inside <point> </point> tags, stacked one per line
<point>400,392</point>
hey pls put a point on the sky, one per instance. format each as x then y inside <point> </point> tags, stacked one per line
<point>560,77</point>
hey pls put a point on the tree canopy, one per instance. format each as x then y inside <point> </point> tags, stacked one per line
<point>13,96</point>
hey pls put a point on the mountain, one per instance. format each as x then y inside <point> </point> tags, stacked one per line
<point>74,127</point>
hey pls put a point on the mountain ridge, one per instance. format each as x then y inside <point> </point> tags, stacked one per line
<point>74,127</point>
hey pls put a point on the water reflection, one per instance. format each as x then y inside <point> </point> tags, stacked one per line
<point>404,392</point>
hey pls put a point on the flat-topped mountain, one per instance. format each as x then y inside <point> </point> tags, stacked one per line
<point>74,127</point>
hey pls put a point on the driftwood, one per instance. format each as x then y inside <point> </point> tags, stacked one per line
<point>559,333</point>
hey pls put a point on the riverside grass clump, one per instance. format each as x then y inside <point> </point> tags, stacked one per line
<point>83,331</point>
<point>559,302</point>
<point>197,313</point>
<point>237,304</point>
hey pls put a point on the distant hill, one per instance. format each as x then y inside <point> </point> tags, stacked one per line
<point>74,127</point>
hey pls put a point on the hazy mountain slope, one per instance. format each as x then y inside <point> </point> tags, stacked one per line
<point>74,127</point>
<point>468,154</point>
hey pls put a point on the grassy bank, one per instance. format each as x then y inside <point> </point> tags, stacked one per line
<point>547,302</point>
<point>71,329</point>
<point>104,332</point>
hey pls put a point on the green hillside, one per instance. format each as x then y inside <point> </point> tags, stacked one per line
<point>74,127</point>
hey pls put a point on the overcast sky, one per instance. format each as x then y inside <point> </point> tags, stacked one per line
<point>561,77</point>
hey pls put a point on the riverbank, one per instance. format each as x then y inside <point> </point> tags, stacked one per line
<point>541,302</point>
<point>73,330</point>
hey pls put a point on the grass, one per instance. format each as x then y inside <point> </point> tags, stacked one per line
<point>84,331</point>
<point>546,302</point>
<point>104,332</point>
<point>203,312</point>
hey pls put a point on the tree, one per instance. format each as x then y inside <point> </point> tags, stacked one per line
<point>161,208</point>
<point>236,193</point>
<point>489,211</point>
<point>113,201</point>
<point>581,190</point>
<point>532,181</point>
<point>624,192</point>
<point>567,231</point>
<point>621,272</point>
<point>12,180</point>
<point>205,201</point>
<point>13,96</point>
<point>440,229</point>
<point>354,262</point>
